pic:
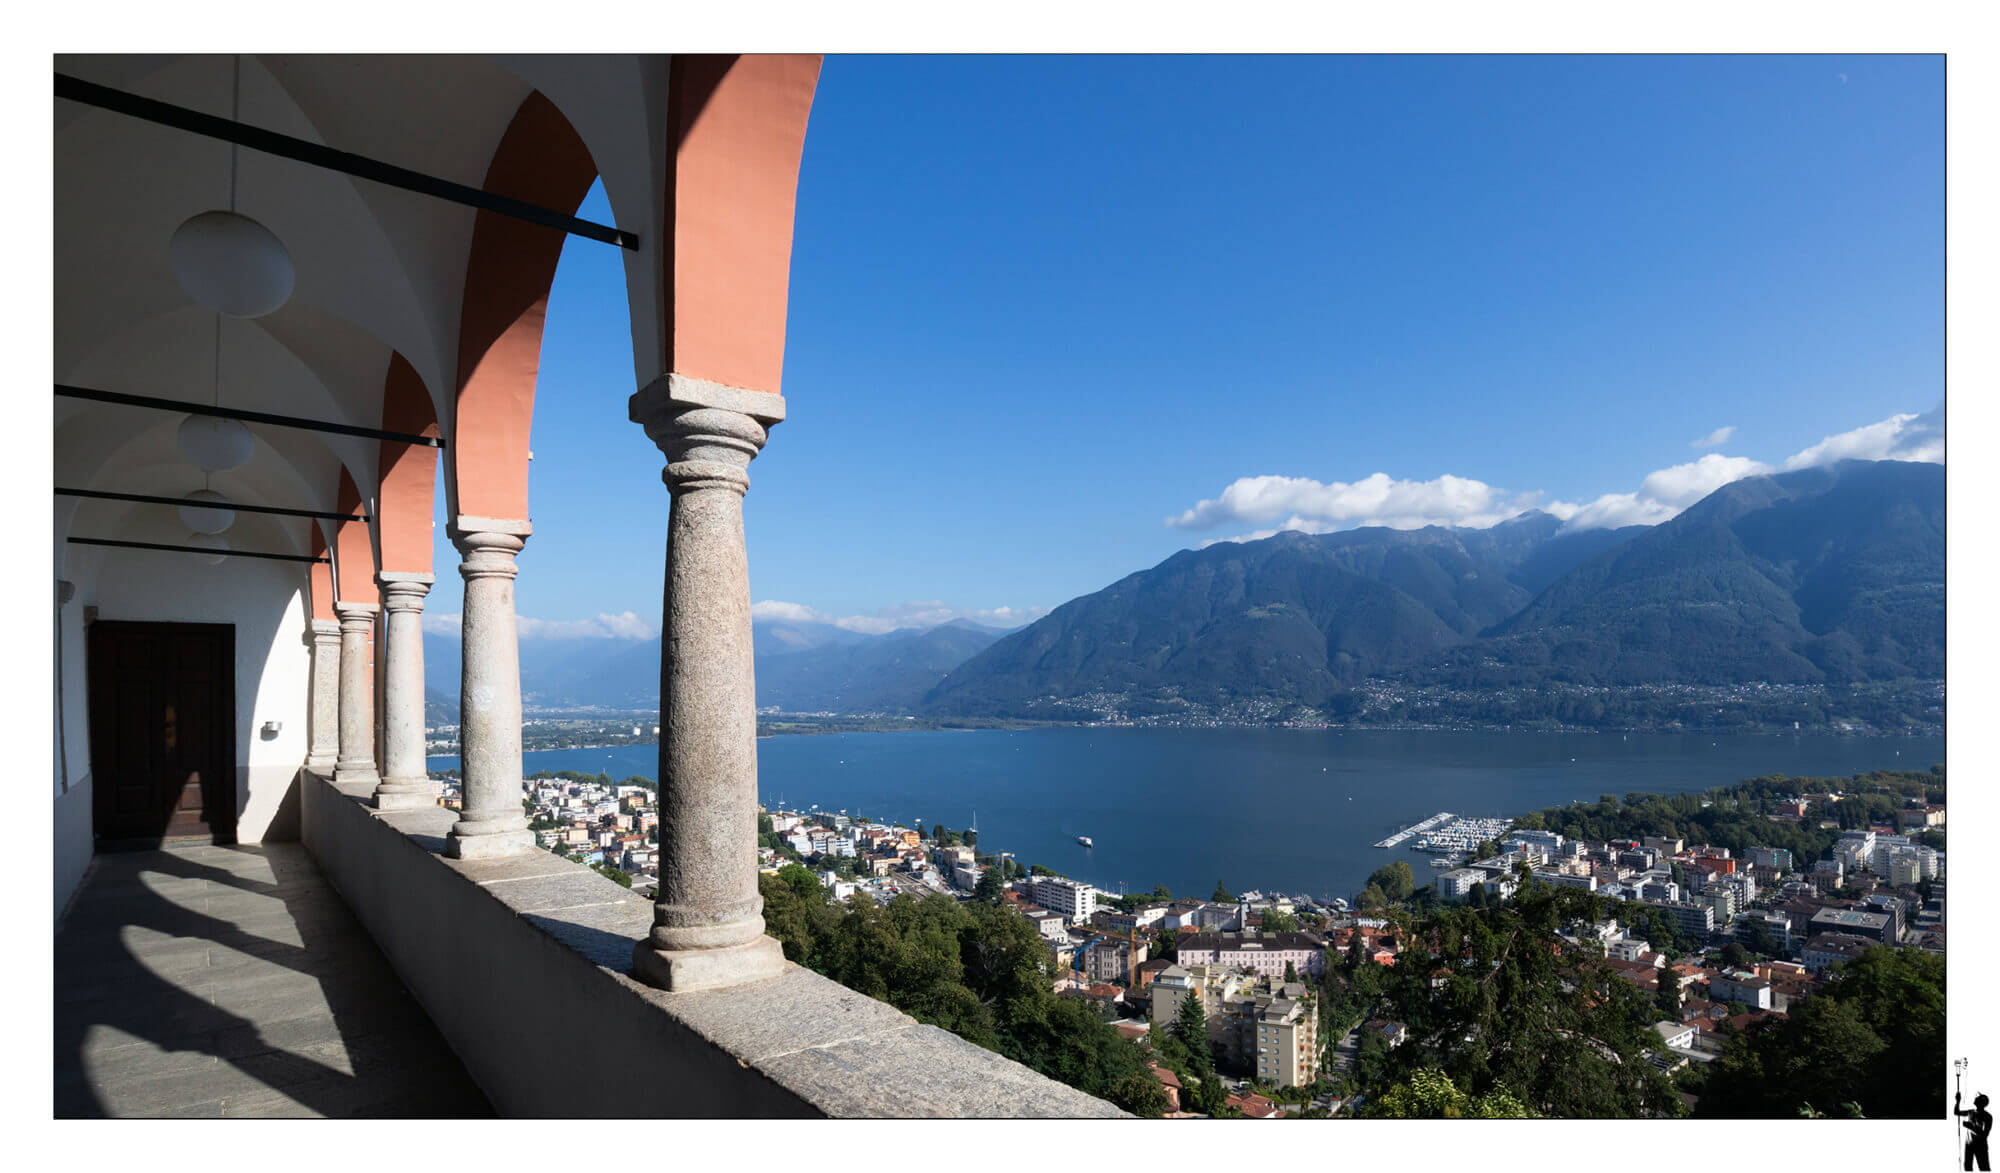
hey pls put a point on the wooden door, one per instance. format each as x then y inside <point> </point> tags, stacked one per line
<point>163,731</point>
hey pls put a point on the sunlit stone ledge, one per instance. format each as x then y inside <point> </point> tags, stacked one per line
<point>523,963</point>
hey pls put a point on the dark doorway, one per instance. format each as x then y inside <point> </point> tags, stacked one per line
<point>162,732</point>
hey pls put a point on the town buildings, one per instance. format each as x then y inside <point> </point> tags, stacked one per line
<point>1076,902</point>
<point>1266,954</point>
<point>1264,1027</point>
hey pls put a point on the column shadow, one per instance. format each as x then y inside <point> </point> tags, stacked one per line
<point>205,985</point>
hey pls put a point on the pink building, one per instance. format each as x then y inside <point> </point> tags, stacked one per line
<point>1265,954</point>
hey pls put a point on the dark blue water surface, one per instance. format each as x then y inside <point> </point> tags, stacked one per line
<point>1294,811</point>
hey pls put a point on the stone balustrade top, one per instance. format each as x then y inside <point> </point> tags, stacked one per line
<point>797,1044</point>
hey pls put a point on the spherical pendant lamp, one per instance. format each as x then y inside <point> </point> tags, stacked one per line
<point>215,444</point>
<point>231,264</point>
<point>210,542</point>
<point>203,518</point>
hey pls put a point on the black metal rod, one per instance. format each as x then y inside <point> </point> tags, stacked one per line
<point>196,550</point>
<point>319,155</point>
<point>104,496</point>
<point>233,413</point>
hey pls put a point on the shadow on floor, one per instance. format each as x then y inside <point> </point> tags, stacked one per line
<point>232,981</point>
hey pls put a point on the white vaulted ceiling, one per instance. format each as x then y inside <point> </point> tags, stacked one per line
<point>379,270</point>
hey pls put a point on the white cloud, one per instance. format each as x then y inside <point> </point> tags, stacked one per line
<point>1900,437</point>
<point>1311,506</point>
<point>772,609</point>
<point>1304,505</point>
<point>442,623</point>
<point>1663,494</point>
<point>926,613</point>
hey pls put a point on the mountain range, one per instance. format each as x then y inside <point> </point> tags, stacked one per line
<point>1824,576</point>
<point>1829,575</point>
<point>801,667</point>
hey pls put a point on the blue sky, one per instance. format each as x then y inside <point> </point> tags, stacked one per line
<point>1054,318</point>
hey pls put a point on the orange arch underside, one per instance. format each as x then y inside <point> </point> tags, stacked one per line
<point>354,555</point>
<point>409,472</point>
<point>739,125</point>
<point>540,160</point>
<point>320,578</point>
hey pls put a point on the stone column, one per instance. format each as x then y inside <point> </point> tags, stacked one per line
<point>357,694</point>
<point>708,924</point>
<point>324,636</point>
<point>405,782</point>
<point>491,821</point>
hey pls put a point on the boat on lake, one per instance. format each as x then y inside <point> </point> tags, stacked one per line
<point>1085,840</point>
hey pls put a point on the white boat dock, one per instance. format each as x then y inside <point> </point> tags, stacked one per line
<point>1435,820</point>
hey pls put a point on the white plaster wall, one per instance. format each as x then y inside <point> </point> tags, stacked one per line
<point>72,840</point>
<point>70,761</point>
<point>265,600</point>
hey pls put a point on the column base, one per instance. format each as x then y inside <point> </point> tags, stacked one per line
<point>681,970</point>
<point>492,846</point>
<point>355,772</point>
<point>322,764</point>
<point>402,794</point>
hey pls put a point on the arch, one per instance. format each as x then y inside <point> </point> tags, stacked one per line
<point>319,579</point>
<point>542,160</point>
<point>738,125</point>
<point>353,550</point>
<point>403,503</point>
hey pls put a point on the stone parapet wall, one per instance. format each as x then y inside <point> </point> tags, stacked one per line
<point>523,963</point>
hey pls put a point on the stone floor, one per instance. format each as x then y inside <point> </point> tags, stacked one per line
<point>232,981</point>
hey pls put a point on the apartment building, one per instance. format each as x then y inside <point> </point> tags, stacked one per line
<point>1075,901</point>
<point>1261,1026</point>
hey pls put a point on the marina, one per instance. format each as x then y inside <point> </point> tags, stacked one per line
<point>1435,820</point>
<point>1462,836</point>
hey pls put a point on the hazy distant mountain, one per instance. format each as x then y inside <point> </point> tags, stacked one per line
<point>880,674</point>
<point>809,667</point>
<point>1825,574</point>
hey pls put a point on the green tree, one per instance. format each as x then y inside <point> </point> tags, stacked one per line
<point>1277,920</point>
<point>615,874</point>
<point>990,887</point>
<point>1291,973</point>
<point>1162,892</point>
<point>1873,1037</point>
<point>1669,993</point>
<point>1396,881</point>
<point>1141,1094</point>
<point>1191,1029</point>
<point>1221,895</point>
<point>1429,1094</point>
<point>1496,1000</point>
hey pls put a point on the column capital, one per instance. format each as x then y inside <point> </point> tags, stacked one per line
<point>487,545</point>
<point>671,391</point>
<point>356,616</point>
<point>404,591</point>
<point>318,629</point>
<point>708,432</point>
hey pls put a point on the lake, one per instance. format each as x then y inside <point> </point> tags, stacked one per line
<point>1285,810</point>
